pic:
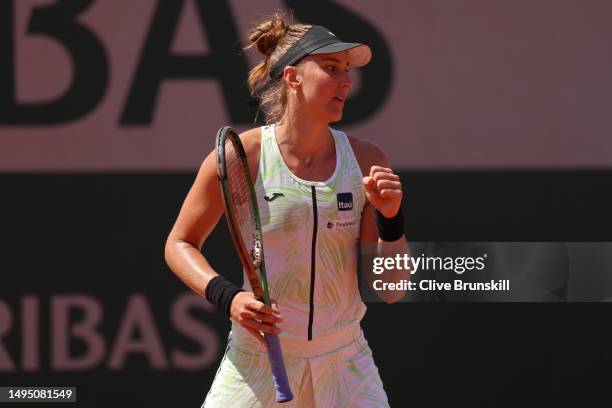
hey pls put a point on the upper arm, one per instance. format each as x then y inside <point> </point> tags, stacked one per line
<point>203,205</point>
<point>368,155</point>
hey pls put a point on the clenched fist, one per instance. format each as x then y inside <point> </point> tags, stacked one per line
<point>383,190</point>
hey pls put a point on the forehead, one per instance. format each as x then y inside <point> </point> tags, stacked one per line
<point>338,57</point>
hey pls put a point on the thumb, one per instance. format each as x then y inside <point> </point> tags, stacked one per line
<point>274,305</point>
<point>369,184</point>
<point>372,194</point>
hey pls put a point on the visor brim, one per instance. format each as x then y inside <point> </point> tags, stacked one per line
<point>358,54</point>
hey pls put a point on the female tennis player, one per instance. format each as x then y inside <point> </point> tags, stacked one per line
<point>320,195</point>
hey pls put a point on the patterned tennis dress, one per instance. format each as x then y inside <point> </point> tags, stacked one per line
<point>311,237</point>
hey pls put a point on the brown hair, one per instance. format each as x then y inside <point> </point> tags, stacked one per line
<point>272,37</point>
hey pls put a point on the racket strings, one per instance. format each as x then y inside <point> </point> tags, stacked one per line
<point>238,183</point>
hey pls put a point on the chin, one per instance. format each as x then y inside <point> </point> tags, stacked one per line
<point>335,116</point>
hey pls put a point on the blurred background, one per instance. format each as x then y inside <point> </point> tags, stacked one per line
<point>497,116</point>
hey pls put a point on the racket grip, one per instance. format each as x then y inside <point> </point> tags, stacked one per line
<point>279,373</point>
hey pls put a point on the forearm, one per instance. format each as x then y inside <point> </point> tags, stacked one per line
<point>386,249</point>
<point>188,263</point>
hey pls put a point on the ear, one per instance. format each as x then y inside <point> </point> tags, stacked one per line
<point>292,77</point>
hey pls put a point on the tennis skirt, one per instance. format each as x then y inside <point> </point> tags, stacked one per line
<point>334,370</point>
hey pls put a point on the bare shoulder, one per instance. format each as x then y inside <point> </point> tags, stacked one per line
<point>368,154</point>
<point>251,141</point>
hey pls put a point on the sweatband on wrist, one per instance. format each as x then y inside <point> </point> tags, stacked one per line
<point>390,229</point>
<point>220,292</point>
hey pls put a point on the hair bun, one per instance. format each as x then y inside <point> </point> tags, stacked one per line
<point>267,34</point>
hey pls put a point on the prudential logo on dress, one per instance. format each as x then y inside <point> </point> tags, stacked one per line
<point>345,201</point>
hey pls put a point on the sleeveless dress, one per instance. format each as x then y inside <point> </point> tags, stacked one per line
<point>311,233</point>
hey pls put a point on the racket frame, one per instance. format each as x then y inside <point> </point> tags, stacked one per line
<point>253,262</point>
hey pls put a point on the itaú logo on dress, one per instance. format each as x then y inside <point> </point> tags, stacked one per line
<point>80,332</point>
<point>345,201</point>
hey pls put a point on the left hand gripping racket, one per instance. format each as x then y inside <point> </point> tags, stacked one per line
<point>242,216</point>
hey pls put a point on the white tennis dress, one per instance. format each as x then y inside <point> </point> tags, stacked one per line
<point>311,236</point>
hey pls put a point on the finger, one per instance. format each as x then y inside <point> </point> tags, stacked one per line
<point>385,176</point>
<point>264,317</point>
<point>259,307</point>
<point>257,335</point>
<point>389,193</point>
<point>388,185</point>
<point>275,308</point>
<point>367,181</point>
<point>373,197</point>
<point>375,169</point>
<point>369,185</point>
<point>262,327</point>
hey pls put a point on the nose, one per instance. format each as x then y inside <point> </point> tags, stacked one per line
<point>346,81</point>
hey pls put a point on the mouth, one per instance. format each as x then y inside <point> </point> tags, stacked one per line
<point>339,98</point>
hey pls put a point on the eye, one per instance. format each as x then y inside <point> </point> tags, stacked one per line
<point>331,68</point>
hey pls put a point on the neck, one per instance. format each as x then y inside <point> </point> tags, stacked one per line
<point>303,137</point>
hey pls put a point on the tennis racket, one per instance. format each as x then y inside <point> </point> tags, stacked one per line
<point>242,217</point>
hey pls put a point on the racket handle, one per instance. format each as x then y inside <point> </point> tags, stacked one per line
<point>279,373</point>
